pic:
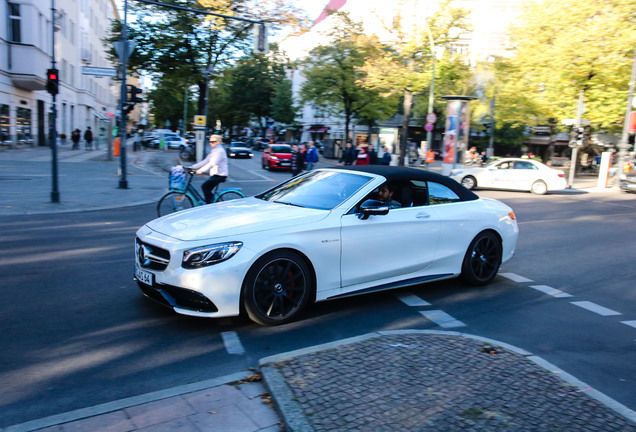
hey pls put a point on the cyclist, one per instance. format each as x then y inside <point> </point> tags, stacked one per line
<point>216,163</point>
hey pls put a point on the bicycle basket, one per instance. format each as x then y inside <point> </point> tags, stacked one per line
<point>177,178</point>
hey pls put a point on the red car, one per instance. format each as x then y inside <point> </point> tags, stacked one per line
<point>277,156</point>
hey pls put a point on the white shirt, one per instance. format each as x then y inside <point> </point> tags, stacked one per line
<point>215,162</point>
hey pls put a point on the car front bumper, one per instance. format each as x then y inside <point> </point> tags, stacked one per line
<point>213,291</point>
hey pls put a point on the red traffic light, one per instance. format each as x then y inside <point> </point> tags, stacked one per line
<point>52,81</point>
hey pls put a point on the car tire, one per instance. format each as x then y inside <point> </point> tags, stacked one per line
<point>277,288</point>
<point>469,182</point>
<point>539,187</point>
<point>482,260</point>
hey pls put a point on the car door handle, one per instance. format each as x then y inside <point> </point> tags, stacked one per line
<point>422,215</point>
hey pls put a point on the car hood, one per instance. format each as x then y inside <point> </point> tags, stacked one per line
<point>233,218</point>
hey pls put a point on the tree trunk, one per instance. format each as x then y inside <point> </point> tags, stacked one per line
<point>408,103</point>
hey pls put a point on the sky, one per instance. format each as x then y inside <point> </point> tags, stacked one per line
<point>313,7</point>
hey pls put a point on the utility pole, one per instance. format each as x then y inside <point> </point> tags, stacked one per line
<point>431,92</point>
<point>491,142</point>
<point>123,182</point>
<point>575,150</point>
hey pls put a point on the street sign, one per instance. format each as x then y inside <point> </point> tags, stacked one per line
<point>431,118</point>
<point>428,127</point>
<point>199,120</point>
<point>88,70</point>
<point>572,122</point>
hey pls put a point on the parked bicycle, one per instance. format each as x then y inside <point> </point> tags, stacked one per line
<point>185,196</point>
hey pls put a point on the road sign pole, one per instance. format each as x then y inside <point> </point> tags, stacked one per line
<point>575,150</point>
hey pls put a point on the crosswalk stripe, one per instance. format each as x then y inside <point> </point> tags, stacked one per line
<point>232,343</point>
<point>442,319</point>
<point>551,291</point>
<point>515,277</point>
<point>412,300</point>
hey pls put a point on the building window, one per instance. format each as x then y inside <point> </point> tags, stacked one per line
<point>4,123</point>
<point>23,125</point>
<point>14,23</point>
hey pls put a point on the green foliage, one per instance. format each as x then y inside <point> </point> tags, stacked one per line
<point>404,64</point>
<point>334,76</point>
<point>179,45</point>
<point>562,48</point>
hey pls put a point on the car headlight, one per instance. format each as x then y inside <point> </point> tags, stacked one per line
<point>273,158</point>
<point>209,255</point>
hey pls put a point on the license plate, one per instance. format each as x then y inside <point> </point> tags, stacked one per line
<point>285,163</point>
<point>143,276</point>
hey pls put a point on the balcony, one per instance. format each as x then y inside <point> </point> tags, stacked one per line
<point>27,66</point>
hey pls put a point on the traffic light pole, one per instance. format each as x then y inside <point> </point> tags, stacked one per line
<point>123,182</point>
<point>55,193</point>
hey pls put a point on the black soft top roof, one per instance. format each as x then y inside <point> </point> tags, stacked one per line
<point>401,174</point>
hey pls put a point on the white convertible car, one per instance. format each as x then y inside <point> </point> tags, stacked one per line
<point>321,235</point>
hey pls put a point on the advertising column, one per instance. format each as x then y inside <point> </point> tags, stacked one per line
<point>457,131</point>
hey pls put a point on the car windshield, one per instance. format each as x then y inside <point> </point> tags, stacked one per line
<point>323,190</point>
<point>281,149</point>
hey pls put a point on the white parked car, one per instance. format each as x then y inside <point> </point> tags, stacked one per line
<point>512,173</point>
<point>318,236</point>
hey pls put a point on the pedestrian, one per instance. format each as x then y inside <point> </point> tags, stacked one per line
<point>76,135</point>
<point>216,164</point>
<point>311,156</point>
<point>386,157</point>
<point>430,156</point>
<point>136,141</point>
<point>297,161</point>
<point>88,137</point>
<point>373,155</point>
<point>348,155</point>
<point>362,157</point>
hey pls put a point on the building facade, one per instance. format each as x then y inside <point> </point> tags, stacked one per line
<point>26,48</point>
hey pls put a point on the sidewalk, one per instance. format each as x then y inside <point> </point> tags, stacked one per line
<point>411,380</point>
<point>388,381</point>
<point>87,180</point>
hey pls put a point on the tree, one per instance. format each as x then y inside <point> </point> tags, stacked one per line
<point>183,45</point>
<point>561,48</point>
<point>403,66</point>
<point>334,73</point>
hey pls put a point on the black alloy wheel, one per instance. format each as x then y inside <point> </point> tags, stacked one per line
<point>277,288</point>
<point>482,260</point>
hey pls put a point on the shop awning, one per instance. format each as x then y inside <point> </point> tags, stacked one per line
<point>318,129</point>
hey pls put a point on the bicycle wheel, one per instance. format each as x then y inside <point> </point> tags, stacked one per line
<point>174,202</point>
<point>229,195</point>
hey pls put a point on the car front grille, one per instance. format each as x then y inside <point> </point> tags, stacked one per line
<point>151,257</point>
<point>173,296</point>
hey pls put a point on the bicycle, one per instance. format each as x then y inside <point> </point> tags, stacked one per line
<point>178,199</point>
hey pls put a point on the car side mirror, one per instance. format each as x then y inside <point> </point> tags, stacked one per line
<point>372,208</point>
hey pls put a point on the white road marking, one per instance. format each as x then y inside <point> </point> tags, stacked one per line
<point>593,307</point>
<point>629,323</point>
<point>232,343</point>
<point>515,277</point>
<point>550,291</point>
<point>442,319</point>
<point>413,300</point>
